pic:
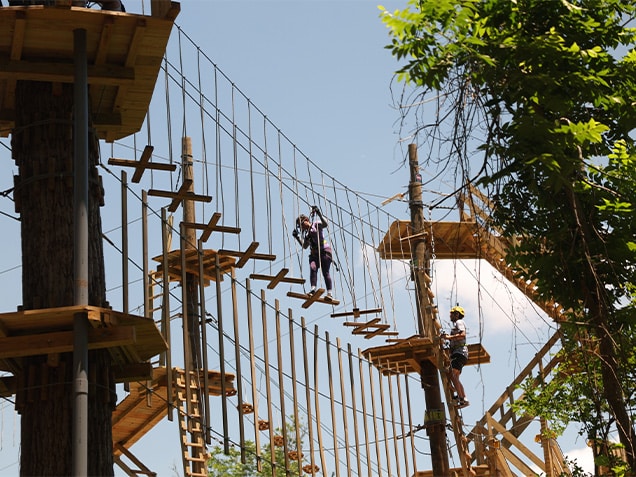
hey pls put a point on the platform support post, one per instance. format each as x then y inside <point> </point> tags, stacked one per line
<point>420,263</point>
<point>80,212</point>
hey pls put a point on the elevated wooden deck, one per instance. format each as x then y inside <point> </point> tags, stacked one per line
<point>124,56</point>
<point>451,240</point>
<point>147,404</point>
<point>130,339</point>
<point>208,260</point>
<point>406,355</point>
<point>466,239</point>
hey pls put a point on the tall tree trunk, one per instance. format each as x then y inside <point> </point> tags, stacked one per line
<point>42,144</point>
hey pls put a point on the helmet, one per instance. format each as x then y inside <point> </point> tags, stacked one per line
<point>458,309</point>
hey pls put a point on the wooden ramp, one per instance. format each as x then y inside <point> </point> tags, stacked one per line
<point>147,404</point>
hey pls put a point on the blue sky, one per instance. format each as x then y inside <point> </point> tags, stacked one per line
<point>319,71</point>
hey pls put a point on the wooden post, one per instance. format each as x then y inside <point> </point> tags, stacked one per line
<point>435,415</point>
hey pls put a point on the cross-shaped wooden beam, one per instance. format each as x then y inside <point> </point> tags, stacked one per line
<point>142,164</point>
<point>276,279</point>
<point>212,227</point>
<point>182,194</point>
<point>249,253</point>
<point>311,299</point>
<point>367,330</point>
<point>356,312</point>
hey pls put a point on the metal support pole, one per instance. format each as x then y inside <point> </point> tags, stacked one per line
<point>80,255</point>
<point>435,415</point>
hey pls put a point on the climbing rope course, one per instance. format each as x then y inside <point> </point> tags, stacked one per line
<point>200,239</point>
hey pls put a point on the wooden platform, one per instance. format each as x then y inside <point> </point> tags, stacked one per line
<point>451,239</point>
<point>147,404</point>
<point>130,339</point>
<point>124,52</point>
<point>192,264</point>
<point>406,355</point>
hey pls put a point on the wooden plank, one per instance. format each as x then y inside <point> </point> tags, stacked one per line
<point>248,254</point>
<point>123,373</point>
<point>309,299</point>
<point>109,75</point>
<point>356,312</point>
<point>62,342</point>
<point>276,279</point>
<point>513,441</point>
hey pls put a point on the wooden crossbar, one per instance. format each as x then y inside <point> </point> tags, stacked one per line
<point>249,253</point>
<point>313,298</point>
<point>276,279</point>
<point>356,312</point>
<point>142,164</point>
<point>211,226</point>
<point>182,194</point>
<point>370,328</point>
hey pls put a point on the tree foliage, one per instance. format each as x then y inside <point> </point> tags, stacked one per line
<point>553,83</point>
<point>230,465</point>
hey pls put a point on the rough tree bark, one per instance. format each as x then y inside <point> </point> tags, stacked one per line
<point>42,145</point>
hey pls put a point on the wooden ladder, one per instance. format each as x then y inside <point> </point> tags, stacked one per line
<point>191,430</point>
<point>455,416</point>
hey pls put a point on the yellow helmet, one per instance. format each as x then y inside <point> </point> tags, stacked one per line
<point>458,309</point>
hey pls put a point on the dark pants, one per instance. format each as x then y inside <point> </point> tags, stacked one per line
<point>315,264</point>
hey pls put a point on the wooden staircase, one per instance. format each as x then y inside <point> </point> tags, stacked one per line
<point>148,403</point>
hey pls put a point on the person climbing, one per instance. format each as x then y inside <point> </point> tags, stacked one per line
<point>310,235</point>
<point>458,354</point>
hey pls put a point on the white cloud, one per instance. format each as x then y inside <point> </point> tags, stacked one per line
<point>583,457</point>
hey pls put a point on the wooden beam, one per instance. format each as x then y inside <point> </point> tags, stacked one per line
<point>249,253</point>
<point>211,227</point>
<point>132,372</point>
<point>276,279</point>
<point>104,41</point>
<point>356,312</point>
<point>142,164</point>
<point>108,75</point>
<point>513,441</point>
<point>62,341</point>
<point>181,195</point>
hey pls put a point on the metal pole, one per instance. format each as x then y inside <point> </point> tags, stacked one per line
<point>124,240</point>
<point>435,417</point>
<point>80,255</point>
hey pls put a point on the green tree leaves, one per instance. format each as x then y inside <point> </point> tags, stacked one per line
<point>553,81</point>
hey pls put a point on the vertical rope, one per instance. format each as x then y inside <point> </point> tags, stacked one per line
<point>251,155</point>
<point>237,197</point>
<point>202,115</point>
